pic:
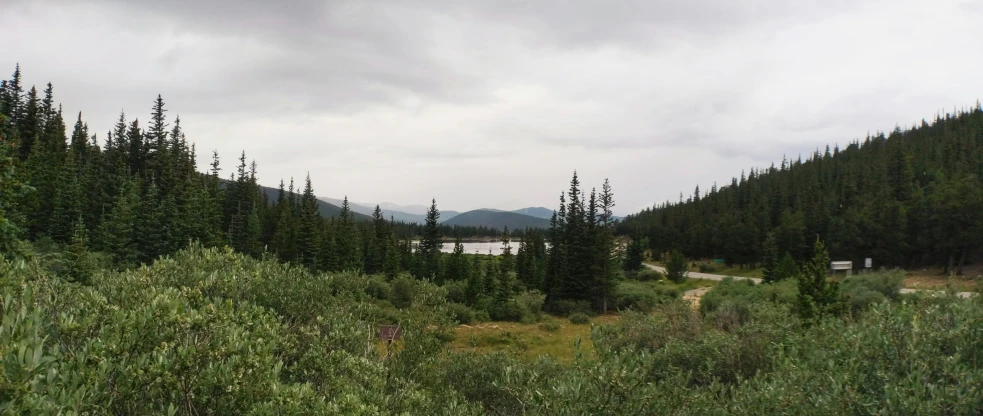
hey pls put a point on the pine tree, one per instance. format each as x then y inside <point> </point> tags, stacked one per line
<point>157,136</point>
<point>475,288</point>
<point>769,259</point>
<point>634,253</point>
<point>308,244</point>
<point>10,191</point>
<point>376,243</point>
<point>456,262</point>
<point>349,255</point>
<point>149,234</point>
<point>676,267</point>
<point>491,276</point>
<point>507,260</point>
<point>818,296</point>
<point>576,283</point>
<point>330,252</point>
<point>785,269</point>
<point>117,231</point>
<point>137,149</point>
<point>30,127</point>
<point>428,251</point>
<point>606,259</point>
<point>392,265</point>
<point>286,235</point>
<point>78,267</point>
<point>68,201</point>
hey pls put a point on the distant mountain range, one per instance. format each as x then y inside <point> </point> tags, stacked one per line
<point>498,219</point>
<point>532,217</point>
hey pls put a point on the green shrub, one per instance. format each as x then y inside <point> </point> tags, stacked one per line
<point>508,311</point>
<point>481,315</point>
<point>861,291</point>
<point>377,287</point>
<point>402,293</point>
<point>707,268</point>
<point>532,302</point>
<point>457,291</point>
<point>741,294</point>
<point>579,319</point>
<point>550,326</point>
<point>641,296</point>
<point>566,307</point>
<point>649,275</point>
<point>461,313</point>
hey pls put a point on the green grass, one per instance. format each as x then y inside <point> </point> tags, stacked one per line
<point>528,341</point>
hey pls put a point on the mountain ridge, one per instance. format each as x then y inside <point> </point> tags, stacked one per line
<point>498,219</point>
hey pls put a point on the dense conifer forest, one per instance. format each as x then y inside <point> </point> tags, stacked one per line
<point>911,198</point>
<point>137,195</point>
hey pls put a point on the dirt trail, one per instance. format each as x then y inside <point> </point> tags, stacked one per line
<point>718,277</point>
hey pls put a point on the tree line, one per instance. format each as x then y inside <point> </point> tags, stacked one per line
<point>910,198</point>
<point>139,195</point>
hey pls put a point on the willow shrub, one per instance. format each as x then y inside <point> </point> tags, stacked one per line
<point>212,332</point>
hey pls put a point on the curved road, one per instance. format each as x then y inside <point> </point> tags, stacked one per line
<point>719,277</point>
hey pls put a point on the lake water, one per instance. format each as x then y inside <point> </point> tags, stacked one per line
<point>481,246</point>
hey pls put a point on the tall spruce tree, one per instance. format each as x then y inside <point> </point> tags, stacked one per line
<point>349,254</point>
<point>392,264</point>
<point>818,296</point>
<point>507,260</point>
<point>309,226</point>
<point>78,267</point>
<point>428,251</point>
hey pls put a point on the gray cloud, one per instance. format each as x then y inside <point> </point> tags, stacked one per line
<point>404,100</point>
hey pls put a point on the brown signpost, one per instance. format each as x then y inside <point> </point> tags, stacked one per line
<point>390,333</point>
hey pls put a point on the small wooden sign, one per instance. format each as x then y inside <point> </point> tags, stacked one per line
<point>390,332</point>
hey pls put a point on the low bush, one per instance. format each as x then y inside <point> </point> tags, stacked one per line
<point>707,268</point>
<point>579,319</point>
<point>550,326</point>
<point>532,302</point>
<point>461,314</point>
<point>861,291</point>
<point>402,293</point>
<point>565,307</point>
<point>378,288</point>
<point>508,311</point>
<point>740,294</point>
<point>649,275</point>
<point>457,291</point>
<point>642,296</point>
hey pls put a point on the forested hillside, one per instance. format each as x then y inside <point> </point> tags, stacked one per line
<point>497,219</point>
<point>138,196</point>
<point>910,198</point>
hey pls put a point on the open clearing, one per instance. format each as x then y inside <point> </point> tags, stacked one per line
<point>529,341</point>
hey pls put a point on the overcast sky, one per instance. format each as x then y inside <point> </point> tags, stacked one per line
<point>495,103</point>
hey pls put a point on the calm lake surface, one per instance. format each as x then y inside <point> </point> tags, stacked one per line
<point>481,246</point>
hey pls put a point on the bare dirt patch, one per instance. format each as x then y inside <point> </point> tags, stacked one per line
<point>933,278</point>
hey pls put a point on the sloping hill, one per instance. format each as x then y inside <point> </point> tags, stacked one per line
<point>392,210</point>
<point>326,209</point>
<point>498,219</point>
<point>538,212</point>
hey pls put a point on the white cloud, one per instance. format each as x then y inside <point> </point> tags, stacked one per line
<point>494,104</point>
